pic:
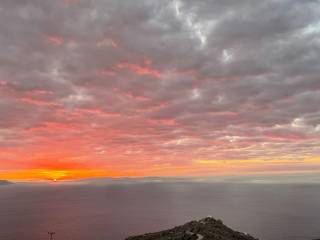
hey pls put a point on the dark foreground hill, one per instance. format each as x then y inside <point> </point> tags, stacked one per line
<point>204,229</point>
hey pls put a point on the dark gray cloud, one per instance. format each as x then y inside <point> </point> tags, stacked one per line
<point>162,82</point>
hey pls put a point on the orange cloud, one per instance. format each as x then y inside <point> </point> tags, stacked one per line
<point>38,102</point>
<point>53,127</point>
<point>55,40</point>
<point>138,69</point>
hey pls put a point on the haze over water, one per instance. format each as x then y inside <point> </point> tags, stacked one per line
<point>112,211</point>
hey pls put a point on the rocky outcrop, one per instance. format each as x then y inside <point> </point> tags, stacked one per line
<point>204,229</point>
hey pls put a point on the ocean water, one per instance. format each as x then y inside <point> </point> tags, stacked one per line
<point>91,211</point>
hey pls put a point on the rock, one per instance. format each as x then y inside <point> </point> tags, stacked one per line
<point>204,229</point>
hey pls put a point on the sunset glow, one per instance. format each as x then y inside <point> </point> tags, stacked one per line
<point>171,88</point>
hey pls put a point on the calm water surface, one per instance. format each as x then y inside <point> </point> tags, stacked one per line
<point>113,212</point>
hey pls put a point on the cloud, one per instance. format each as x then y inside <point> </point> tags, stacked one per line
<point>126,84</point>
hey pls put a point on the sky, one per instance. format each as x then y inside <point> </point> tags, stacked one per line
<point>109,88</point>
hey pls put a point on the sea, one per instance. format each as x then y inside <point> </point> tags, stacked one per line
<point>108,209</point>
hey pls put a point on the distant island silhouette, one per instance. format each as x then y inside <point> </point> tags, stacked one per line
<point>5,182</point>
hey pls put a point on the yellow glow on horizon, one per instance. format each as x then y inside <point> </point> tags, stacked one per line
<point>198,167</point>
<point>244,161</point>
<point>56,175</point>
<point>315,160</point>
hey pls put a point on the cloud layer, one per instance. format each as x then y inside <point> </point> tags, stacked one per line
<point>160,87</point>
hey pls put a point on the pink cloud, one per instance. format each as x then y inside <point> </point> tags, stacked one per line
<point>55,40</point>
<point>138,69</point>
